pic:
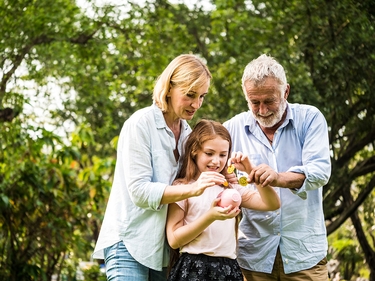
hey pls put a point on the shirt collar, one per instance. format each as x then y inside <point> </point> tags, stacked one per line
<point>289,116</point>
<point>251,123</point>
<point>160,121</point>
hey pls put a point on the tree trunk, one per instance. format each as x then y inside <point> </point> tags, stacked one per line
<point>365,245</point>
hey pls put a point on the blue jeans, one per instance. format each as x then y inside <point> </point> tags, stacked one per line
<point>121,266</point>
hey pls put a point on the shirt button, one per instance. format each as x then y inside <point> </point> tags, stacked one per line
<point>286,261</point>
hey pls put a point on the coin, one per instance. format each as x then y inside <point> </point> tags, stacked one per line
<point>242,181</point>
<point>230,169</point>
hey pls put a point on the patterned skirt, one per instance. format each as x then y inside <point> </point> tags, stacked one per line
<point>205,268</point>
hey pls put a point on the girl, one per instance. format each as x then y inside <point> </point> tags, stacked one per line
<point>205,233</point>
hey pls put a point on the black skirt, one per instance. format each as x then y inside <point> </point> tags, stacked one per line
<point>205,268</point>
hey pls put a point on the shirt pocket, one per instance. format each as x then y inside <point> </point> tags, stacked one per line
<point>255,159</point>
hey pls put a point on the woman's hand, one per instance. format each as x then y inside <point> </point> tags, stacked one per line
<point>205,180</point>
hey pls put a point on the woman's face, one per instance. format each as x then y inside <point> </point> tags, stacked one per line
<point>183,105</point>
<point>213,156</point>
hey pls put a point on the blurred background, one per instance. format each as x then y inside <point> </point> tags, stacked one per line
<point>71,73</point>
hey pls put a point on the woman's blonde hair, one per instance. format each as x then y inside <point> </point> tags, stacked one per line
<point>187,72</point>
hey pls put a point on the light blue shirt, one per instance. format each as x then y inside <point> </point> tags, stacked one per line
<point>300,145</point>
<point>145,166</point>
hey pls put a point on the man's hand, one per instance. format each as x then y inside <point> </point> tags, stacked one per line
<point>263,175</point>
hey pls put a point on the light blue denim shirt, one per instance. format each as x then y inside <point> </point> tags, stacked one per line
<point>300,145</point>
<point>145,166</point>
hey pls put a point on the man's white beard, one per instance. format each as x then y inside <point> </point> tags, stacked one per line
<point>276,116</point>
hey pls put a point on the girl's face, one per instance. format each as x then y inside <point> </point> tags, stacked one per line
<point>213,156</point>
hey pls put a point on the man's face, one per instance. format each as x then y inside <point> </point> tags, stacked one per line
<point>267,102</point>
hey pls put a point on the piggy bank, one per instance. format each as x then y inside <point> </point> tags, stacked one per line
<point>229,196</point>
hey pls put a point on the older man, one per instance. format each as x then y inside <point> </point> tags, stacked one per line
<point>289,149</point>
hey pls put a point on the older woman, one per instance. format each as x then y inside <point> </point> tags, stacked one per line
<point>132,238</point>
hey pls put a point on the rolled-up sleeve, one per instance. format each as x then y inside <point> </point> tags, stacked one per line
<point>144,157</point>
<point>316,165</point>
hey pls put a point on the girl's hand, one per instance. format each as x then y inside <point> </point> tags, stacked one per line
<point>205,180</point>
<point>220,213</point>
<point>240,161</point>
<point>231,177</point>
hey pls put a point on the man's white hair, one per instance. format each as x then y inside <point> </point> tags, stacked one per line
<point>264,67</point>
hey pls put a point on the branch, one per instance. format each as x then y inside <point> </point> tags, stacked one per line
<point>332,191</point>
<point>352,207</point>
<point>356,145</point>
<point>334,211</point>
<point>16,63</point>
<point>83,38</point>
<point>40,40</point>
<point>365,245</point>
<point>363,167</point>
<point>7,114</point>
<point>338,182</point>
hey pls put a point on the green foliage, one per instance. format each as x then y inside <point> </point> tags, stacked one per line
<point>40,201</point>
<point>48,193</point>
<point>346,250</point>
<point>93,273</point>
<point>86,73</point>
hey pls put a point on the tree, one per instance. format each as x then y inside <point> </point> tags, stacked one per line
<point>102,67</point>
<point>325,47</point>
<point>46,191</point>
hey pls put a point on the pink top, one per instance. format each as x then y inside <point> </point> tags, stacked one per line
<point>219,238</point>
